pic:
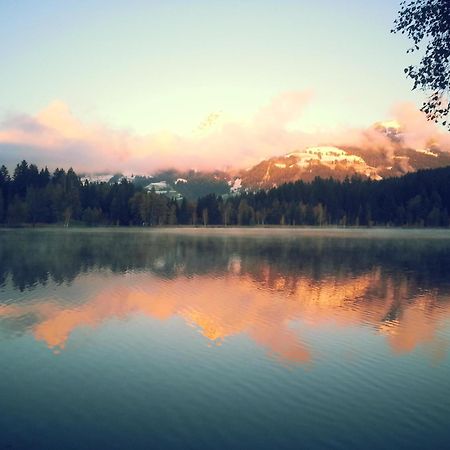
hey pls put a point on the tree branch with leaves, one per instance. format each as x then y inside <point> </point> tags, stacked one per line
<point>427,24</point>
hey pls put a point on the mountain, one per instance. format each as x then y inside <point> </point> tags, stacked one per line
<point>384,154</point>
<point>392,159</point>
<point>326,162</point>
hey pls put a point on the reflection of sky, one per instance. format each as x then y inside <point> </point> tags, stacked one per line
<point>288,319</point>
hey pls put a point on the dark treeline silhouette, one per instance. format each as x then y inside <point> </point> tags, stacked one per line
<point>35,196</point>
<point>60,256</point>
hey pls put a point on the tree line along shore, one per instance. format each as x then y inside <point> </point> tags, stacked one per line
<point>35,196</point>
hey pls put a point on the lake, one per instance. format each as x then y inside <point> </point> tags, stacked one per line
<point>224,339</point>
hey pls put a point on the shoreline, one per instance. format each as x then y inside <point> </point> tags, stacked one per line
<point>27,226</point>
<point>251,231</point>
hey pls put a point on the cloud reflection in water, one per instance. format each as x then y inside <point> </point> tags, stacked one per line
<point>229,286</point>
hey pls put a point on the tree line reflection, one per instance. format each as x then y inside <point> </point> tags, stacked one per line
<point>226,285</point>
<point>28,259</point>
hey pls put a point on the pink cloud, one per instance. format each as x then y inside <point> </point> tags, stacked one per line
<point>418,131</point>
<point>56,137</point>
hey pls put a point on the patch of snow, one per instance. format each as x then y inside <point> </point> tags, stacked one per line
<point>158,186</point>
<point>325,155</point>
<point>267,174</point>
<point>389,124</point>
<point>331,157</point>
<point>426,152</point>
<point>236,185</point>
<point>94,178</point>
<point>104,178</point>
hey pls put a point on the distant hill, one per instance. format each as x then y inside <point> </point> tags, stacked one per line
<point>193,184</point>
<point>386,157</point>
<point>190,184</point>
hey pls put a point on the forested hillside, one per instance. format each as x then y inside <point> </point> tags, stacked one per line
<point>35,196</point>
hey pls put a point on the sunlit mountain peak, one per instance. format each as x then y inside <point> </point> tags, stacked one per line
<point>389,125</point>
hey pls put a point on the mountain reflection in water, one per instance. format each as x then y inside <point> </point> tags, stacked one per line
<point>273,288</point>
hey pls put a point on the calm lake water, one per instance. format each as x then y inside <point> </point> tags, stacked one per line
<point>211,339</point>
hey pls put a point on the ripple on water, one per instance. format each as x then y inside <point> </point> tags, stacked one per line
<point>227,339</point>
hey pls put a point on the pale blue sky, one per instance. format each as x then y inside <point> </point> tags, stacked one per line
<point>150,65</point>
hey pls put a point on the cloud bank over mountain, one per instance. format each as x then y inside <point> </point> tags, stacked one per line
<point>55,137</point>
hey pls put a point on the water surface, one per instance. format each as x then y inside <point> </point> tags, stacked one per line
<point>252,338</point>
